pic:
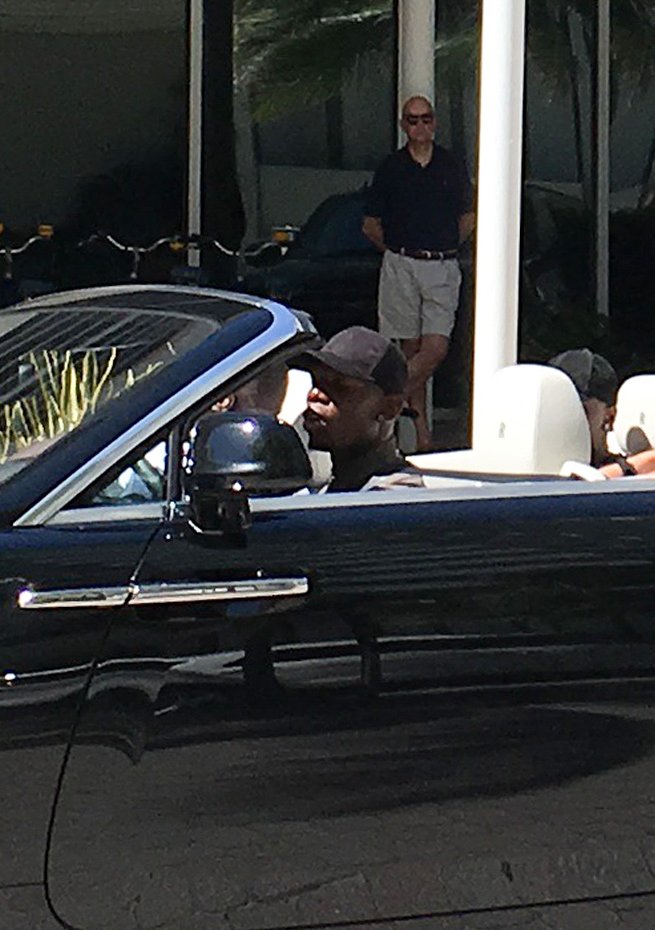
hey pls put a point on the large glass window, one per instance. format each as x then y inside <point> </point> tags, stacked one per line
<point>570,194</point>
<point>93,114</point>
<point>457,55</point>
<point>315,104</point>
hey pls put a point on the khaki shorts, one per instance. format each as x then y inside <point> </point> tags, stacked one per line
<point>417,297</point>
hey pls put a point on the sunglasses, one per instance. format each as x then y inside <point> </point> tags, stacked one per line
<point>413,119</point>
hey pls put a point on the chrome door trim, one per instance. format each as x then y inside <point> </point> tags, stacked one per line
<point>189,592</point>
<point>285,325</point>
<point>30,599</point>
<point>201,591</point>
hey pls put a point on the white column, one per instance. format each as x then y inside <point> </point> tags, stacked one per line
<point>416,24</point>
<point>603,159</point>
<point>194,187</point>
<point>415,49</point>
<point>499,193</point>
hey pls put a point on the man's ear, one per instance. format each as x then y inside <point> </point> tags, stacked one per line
<point>391,405</point>
<point>610,416</point>
<point>224,404</point>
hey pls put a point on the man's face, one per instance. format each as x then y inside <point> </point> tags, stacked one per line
<point>418,120</point>
<point>342,412</point>
<point>601,419</point>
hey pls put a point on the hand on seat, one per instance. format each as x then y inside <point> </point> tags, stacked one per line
<point>582,471</point>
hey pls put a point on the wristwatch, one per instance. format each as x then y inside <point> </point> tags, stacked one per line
<point>625,466</point>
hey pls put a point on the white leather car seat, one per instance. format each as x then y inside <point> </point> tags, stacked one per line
<point>533,422</point>
<point>634,425</point>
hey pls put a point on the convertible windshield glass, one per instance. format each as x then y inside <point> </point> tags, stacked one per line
<point>59,367</point>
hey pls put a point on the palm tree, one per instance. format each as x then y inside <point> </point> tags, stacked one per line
<point>561,45</point>
<point>293,55</point>
<point>297,53</point>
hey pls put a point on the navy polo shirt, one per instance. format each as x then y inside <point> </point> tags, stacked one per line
<point>420,207</point>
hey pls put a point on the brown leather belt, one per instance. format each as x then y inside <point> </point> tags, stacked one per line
<point>425,254</point>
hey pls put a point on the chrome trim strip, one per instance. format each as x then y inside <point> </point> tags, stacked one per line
<point>29,599</point>
<point>283,328</point>
<point>198,592</point>
<point>161,593</point>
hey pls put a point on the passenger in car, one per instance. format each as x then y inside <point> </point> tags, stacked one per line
<point>596,382</point>
<point>262,394</point>
<point>359,380</point>
<point>641,463</point>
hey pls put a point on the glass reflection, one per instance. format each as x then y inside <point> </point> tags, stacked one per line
<point>94,115</point>
<point>561,207</point>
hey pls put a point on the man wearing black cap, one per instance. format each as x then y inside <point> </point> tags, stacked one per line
<point>359,380</point>
<point>596,382</point>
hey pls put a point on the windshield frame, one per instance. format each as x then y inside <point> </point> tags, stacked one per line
<point>46,484</point>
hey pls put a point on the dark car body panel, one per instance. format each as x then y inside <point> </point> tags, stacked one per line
<point>51,655</point>
<point>434,727</point>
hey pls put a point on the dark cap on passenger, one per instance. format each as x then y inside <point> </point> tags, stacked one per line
<point>591,373</point>
<point>361,353</point>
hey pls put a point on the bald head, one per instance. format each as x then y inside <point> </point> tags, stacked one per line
<point>413,103</point>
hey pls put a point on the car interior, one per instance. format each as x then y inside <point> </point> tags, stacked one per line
<point>533,424</point>
<point>535,429</point>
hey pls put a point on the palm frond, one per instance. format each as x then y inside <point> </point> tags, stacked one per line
<point>298,53</point>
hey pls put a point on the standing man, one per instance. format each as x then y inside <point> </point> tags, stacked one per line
<point>418,212</point>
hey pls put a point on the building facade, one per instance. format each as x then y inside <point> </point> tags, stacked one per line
<point>147,119</point>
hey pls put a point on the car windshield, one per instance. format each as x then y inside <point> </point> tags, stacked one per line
<point>60,366</point>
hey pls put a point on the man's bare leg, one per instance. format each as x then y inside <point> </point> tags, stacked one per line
<point>424,355</point>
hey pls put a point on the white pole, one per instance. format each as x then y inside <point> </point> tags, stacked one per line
<point>499,194</point>
<point>194,189</point>
<point>603,160</point>
<point>415,50</point>
<point>416,25</point>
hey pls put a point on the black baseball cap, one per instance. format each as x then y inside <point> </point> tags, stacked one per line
<point>591,373</point>
<point>364,354</point>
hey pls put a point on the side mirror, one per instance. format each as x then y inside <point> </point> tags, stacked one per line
<point>232,456</point>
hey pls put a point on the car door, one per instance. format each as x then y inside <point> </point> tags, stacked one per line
<point>89,384</point>
<point>372,706</point>
<point>59,589</point>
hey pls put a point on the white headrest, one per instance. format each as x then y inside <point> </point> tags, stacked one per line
<point>634,426</point>
<point>532,421</point>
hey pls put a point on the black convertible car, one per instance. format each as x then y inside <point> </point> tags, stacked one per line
<point>228,702</point>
